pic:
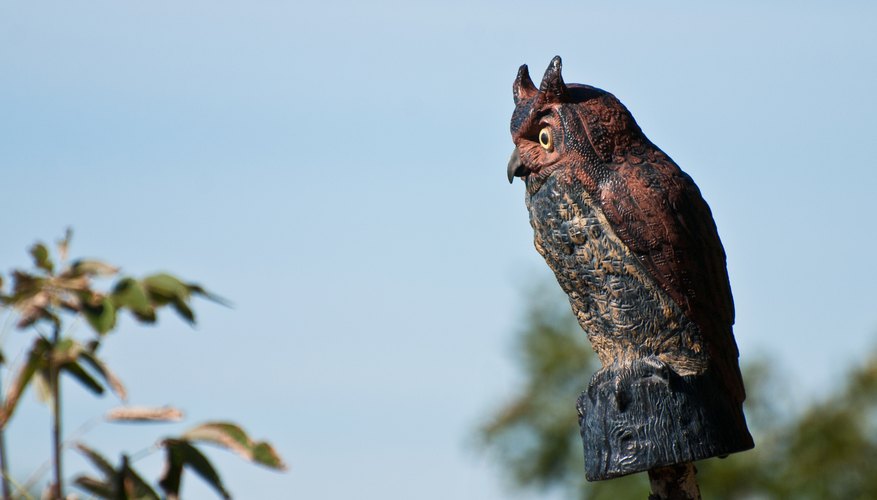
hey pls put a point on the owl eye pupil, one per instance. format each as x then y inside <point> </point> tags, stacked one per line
<point>545,138</point>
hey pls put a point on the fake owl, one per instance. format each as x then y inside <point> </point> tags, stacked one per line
<point>633,244</point>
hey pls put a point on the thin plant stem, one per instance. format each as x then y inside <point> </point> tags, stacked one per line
<point>56,435</point>
<point>55,376</point>
<point>4,467</point>
<point>4,464</point>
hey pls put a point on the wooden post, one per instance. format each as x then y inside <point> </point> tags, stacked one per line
<point>674,482</point>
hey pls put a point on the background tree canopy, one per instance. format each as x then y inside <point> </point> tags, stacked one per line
<point>827,449</point>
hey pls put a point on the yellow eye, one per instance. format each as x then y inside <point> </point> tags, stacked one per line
<point>545,139</point>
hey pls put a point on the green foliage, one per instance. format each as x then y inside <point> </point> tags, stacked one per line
<point>36,361</point>
<point>40,294</point>
<point>122,483</point>
<point>830,450</point>
<point>231,437</point>
<point>827,451</point>
<point>182,454</point>
<point>53,292</point>
<point>131,293</point>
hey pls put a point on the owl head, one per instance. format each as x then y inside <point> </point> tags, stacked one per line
<point>578,128</point>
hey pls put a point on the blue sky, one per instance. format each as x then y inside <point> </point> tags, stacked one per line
<point>338,171</point>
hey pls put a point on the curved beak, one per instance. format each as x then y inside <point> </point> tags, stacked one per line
<point>516,168</point>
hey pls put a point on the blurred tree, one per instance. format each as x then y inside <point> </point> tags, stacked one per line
<point>826,451</point>
<point>830,451</point>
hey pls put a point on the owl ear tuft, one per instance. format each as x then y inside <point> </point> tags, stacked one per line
<point>523,87</point>
<point>552,87</point>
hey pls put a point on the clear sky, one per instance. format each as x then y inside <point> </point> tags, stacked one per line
<point>337,169</point>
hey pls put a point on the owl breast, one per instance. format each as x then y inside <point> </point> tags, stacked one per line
<point>625,313</point>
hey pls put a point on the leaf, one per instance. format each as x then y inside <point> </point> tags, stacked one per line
<point>100,489</point>
<point>41,259</point>
<point>130,293</point>
<point>25,285</point>
<point>101,368</point>
<point>183,310</point>
<point>123,482</point>
<point>37,359</point>
<point>33,309</point>
<point>67,350</point>
<point>83,377</point>
<point>68,353</point>
<point>181,453</point>
<point>133,485</point>
<point>101,316</point>
<point>164,288</point>
<point>265,454</point>
<point>87,267</point>
<point>41,385</point>
<point>96,459</point>
<point>199,290</point>
<point>143,414</point>
<point>173,474</point>
<point>232,437</point>
<point>64,244</point>
<point>30,298</point>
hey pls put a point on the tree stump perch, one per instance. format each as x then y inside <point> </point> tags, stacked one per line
<point>642,415</point>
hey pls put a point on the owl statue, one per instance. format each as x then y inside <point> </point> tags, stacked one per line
<point>633,244</point>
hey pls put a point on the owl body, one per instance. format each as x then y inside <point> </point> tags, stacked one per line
<point>624,313</point>
<point>634,245</point>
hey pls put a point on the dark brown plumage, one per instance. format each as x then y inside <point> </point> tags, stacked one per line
<point>631,241</point>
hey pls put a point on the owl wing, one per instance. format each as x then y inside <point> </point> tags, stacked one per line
<point>659,214</point>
